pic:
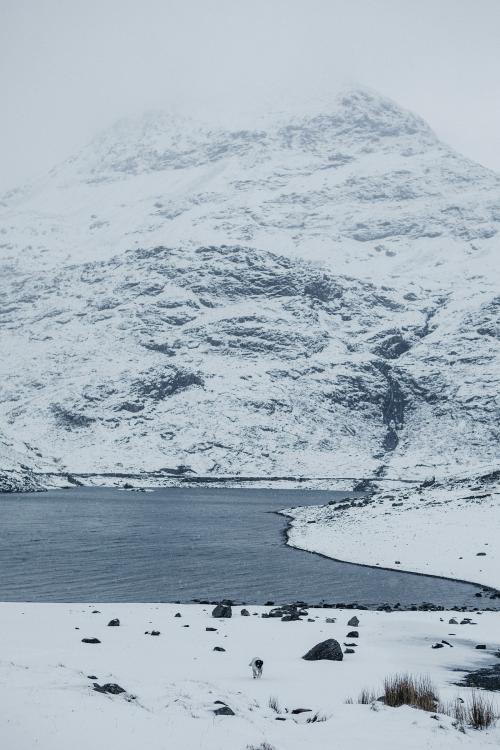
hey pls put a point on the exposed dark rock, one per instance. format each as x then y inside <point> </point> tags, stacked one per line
<point>300,710</point>
<point>224,711</point>
<point>222,610</point>
<point>353,622</point>
<point>245,613</point>
<point>352,634</point>
<point>219,648</point>
<point>109,687</point>
<point>329,649</point>
<point>114,623</point>
<point>90,640</point>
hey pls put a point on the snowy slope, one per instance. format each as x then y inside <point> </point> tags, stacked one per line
<point>317,294</point>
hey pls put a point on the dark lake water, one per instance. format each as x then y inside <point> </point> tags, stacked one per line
<point>180,544</point>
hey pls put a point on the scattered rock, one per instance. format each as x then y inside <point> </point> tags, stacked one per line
<point>481,646</point>
<point>222,610</point>
<point>114,623</point>
<point>352,634</point>
<point>349,651</point>
<point>452,621</point>
<point>152,632</point>
<point>300,710</point>
<point>92,677</point>
<point>177,614</point>
<point>95,612</point>
<point>109,687</point>
<point>224,711</point>
<point>245,613</point>
<point>90,640</point>
<point>353,622</point>
<point>219,648</point>
<point>329,649</point>
<point>437,645</point>
<point>331,620</point>
<point>211,630</point>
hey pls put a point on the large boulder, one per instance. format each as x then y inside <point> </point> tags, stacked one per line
<point>329,649</point>
<point>353,622</point>
<point>222,610</point>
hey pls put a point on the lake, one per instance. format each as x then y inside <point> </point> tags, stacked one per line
<point>181,544</point>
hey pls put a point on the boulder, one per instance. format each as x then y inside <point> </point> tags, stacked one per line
<point>90,640</point>
<point>245,613</point>
<point>331,620</point>
<point>114,623</point>
<point>219,648</point>
<point>353,622</point>
<point>222,610</point>
<point>352,634</point>
<point>329,649</point>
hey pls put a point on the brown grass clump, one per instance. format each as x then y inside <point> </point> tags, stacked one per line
<point>410,690</point>
<point>477,711</point>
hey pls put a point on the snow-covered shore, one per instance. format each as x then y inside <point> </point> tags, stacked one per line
<point>48,700</point>
<point>448,529</point>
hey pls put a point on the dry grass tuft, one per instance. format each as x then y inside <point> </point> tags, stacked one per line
<point>409,690</point>
<point>274,705</point>
<point>477,711</point>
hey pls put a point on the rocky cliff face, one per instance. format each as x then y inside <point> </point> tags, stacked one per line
<point>318,295</point>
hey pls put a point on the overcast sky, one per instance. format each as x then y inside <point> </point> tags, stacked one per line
<point>70,67</point>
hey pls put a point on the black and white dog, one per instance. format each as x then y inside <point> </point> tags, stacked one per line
<point>256,665</point>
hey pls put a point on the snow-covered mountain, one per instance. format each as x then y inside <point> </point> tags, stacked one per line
<point>317,295</point>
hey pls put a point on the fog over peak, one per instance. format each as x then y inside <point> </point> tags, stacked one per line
<point>68,70</point>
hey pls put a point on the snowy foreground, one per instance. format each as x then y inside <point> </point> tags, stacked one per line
<point>448,530</point>
<point>176,678</point>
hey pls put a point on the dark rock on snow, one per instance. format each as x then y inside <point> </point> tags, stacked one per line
<point>224,711</point>
<point>109,687</point>
<point>353,622</point>
<point>222,610</point>
<point>329,649</point>
<point>245,613</point>
<point>352,634</point>
<point>114,623</point>
<point>90,640</point>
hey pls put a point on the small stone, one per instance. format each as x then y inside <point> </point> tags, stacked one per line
<point>114,623</point>
<point>352,634</point>
<point>481,646</point>
<point>331,620</point>
<point>211,630</point>
<point>349,651</point>
<point>452,621</point>
<point>437,645</point>
<point>353,622</point>
<point>301,710</point>
<point>109,687</point>
<point>90,640</point>
<point>245,613</point>
<point>177,614</point>
<point>219,648</point>
<point>224,711</point>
